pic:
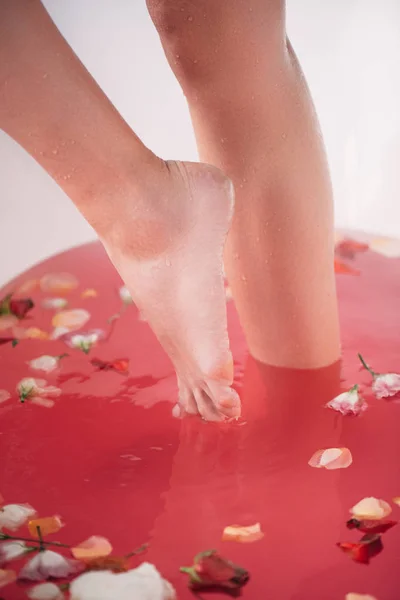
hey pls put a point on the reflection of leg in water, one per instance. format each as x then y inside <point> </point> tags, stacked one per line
<point>254,119</point>
<point>257,471</point>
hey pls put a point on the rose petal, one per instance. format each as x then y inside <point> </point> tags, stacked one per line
<point>39,401</point>
<point>58,283</point>
<point>120,365</point>
<point>243,534</point>
<point>117,564</point>
<point>371,509</point>
<point>44,363</point>
<point>4,396</point>
<point>137,584</point>
<point>45,591</point>
<point>348,403</point>
<point>342,269</point>
<point>89,293</point>
<point>7,577</point>
<point>54,303</point>
<point>72,320</point>
<point>396,500</point>
<point>11,550</point>
<point>368,526</point>
<point>386,385</point>
<point>331,458</point>
<point>368,547</point>
<point>13,516</point>
<point>49,564</point>
<point>94,547</point>
<point>7,322</point>
<point>47,526</point>
<point>21,306</point>
<point>348,248</point>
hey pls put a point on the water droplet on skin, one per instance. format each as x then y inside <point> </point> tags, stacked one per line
<point>45,76</point>
<point>55,151</point>
<point>168,262</point>
<point>250,9</point>
<point>253,97</point>
<point>72,141</point>
<point>284,136</point>
<point>195,62</point>
<point>177,55</point>
<point>182,9</point>
<point>243,277</point>
<point>190,18</point>
<point>85,135</point>
<point>257,239</point>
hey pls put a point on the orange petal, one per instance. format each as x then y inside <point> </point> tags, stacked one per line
<point>7,321</point>
<point>343,269</point>
<point>89,293</point>
<point>371,509</point>
<point>94,547</point>
<point>34,333</point>
<point>353,596</point>
<point>47,526</point>
<point>7,577</point>
<point>238,533</point>
<point>396,500</point>
<point>331,458</point>
<point>72,320</point>
<point>117,564</point>
<point>58,283</point>
<point>29,286</point>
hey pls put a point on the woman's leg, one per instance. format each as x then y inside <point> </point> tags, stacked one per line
<point>254,119</point>
<point>163,224</point>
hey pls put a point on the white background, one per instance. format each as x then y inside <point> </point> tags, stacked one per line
<point>350,52</point>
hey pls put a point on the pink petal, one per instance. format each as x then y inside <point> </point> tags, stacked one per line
<point>94,547</point>
<point>58,283</point>
<point>331,458</point>
<point>386,385</point>
<point>7,577</point>
<point>71,320</point>
<point>7,322</point>
<point>353,596</point>
<point>371,509</point>
<point>242,534</point>
<point>4,396</point>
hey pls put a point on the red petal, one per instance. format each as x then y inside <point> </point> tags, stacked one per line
<point>349,248</point>
<point>120,365</point>
<point>6,340</point>
<point>21,307</point>
<point>371,526</point>
<point>368,547</point>
<point>343,269</point>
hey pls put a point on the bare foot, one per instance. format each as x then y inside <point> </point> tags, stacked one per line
<point>170,254</point>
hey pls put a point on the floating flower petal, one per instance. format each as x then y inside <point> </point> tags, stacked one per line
<point>342,269</point>
<point>7,577</point>
<point>20,307</point>
<point>396,500</point>
<point>349,248</point>
<point>8,322</point>
<point>125,295</point>
<point>85,340</point>
<point>386,385</point>
<point>89,293</point>
<point>238,533</point>
<point>120,365</point>
<point>210,570</point>
<point>13,516</point>
<point>94,547</point>
<point>4,396</point>
<point>47,526</point>
<point>368,526</point>
<point>48,564</point>
<point>58,283</point>
<point>46,591</point>
<point>371,509</point>
<point>46,363</point>
<point>71,320</point>
<point>348,403</point>
<point>116,564</point>
<point>137,584</point>
<point>11,550</point>
<point>27,287</point>
<point>369,546</point>
<point>54,303</point>
<point>30,389</point>
<point>331,458</point>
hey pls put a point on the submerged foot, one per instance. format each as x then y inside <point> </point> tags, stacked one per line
<point>169,253</point>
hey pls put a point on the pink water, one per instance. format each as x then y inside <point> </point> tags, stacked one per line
<point>78,459</point>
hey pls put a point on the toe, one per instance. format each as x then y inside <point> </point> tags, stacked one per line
<point>225,399</point>
<point>206,406</point>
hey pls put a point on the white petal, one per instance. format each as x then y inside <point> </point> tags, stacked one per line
<point>45,591</point>
<point>143,583</point>
<point>13,516</point>
<point>11,550</point>
<point>371,508</point>
<point>44,363</point>
<point>49,564</point>
<point>54,303</point>
<point>125,295</point>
